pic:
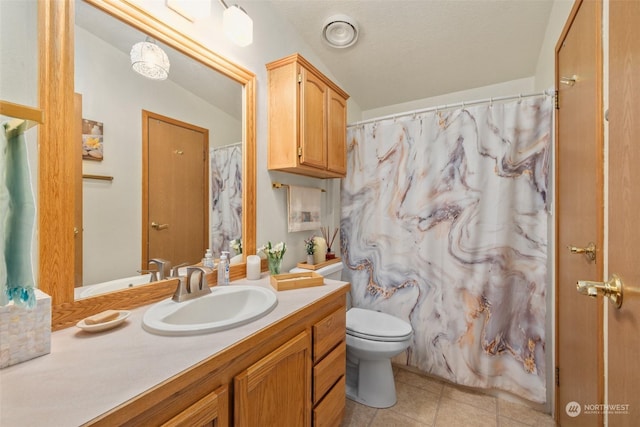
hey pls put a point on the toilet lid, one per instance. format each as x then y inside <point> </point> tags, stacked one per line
<point>376,326</point>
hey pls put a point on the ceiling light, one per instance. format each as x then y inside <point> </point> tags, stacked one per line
<point>237,25</point>
<point>191,9</point>
<point>340,31</point>
<point>149,60</point>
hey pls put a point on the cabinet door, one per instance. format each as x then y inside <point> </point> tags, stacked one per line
<point>337,133</point>
<point>276,391</point>
<point>313,120</point>
<point>212,410</point>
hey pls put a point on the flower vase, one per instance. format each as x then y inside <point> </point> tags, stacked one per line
<point>274,265</point>
<point>310,259</point>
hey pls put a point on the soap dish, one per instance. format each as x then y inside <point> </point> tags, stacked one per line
<point>106,325</point>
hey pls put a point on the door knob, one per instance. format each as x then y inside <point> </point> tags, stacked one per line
<point>159,226</point>
<point>611,289</point>
<point>589,251</point>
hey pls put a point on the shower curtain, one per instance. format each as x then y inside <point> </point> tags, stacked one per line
<point>444,224</point>
<point>226,196</point>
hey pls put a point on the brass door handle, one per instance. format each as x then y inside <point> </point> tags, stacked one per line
<point>613,289</point>
<point>589,251</point>
<point>159,227</point>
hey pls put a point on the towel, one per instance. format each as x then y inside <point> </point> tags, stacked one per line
<point>304,208</point>
<point>17,218</point>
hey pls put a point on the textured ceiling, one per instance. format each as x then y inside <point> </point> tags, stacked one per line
<point>413,49</point>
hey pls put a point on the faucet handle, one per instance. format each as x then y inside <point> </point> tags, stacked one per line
<point>202,282</point>
<point>163,267</point>
<point>154,274</point>
<point>175,270</point>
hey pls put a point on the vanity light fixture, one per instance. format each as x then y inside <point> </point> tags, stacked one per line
<point>149,60</point>
<point>340,31</point>
<point>237,25</point>
<point>192,10</point>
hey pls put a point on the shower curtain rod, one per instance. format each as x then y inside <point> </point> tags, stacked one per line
<point>548,92</point>
<point>228,145</point>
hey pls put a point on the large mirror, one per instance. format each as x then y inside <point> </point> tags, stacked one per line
<point>203,69</point>
<point>195,105</point>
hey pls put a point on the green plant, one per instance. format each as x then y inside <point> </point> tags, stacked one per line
<point>310,245</point>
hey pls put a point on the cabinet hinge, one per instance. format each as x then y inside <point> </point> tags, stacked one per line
<point>299,151</point>
<point>299,77</point>
<point>556,97</point>
<point>557,377</point>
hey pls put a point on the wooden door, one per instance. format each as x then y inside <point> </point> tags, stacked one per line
<point>579,215</point>
<point>175,189</point>
<point>623,346</point>
<point>313,117</point>
<point>337,133</point>
<point>276,391</point>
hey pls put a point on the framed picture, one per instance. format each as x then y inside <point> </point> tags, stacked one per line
<point>92,148</point>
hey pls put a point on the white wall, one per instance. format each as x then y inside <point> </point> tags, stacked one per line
<point>19,79</point>
<point>114,95</point>
<point>545,69</point>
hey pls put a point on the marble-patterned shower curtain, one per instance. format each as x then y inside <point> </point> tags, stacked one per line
<point>226,196</point>
<point>444,224</point>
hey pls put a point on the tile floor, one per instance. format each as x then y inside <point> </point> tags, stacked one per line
<point>425,401</point>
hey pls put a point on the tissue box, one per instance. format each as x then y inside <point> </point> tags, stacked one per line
<point>25,334</point>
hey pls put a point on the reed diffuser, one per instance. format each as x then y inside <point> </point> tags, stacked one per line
<point>325,235</point>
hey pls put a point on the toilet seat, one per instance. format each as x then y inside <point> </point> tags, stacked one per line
<point>376,326</point>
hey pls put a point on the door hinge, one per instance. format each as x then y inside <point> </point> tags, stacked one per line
<point>299,151</point>
<point>299,77</point>
<point>557,377</point>
<point>557,100</point>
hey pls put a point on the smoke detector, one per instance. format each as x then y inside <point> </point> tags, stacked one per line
<point>340,31</point>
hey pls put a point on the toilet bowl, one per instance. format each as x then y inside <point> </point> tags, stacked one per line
<point>373,338</point>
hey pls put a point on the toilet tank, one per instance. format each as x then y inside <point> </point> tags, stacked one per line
<point>332,271</point>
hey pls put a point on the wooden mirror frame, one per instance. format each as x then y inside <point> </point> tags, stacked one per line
<point>57,153</point>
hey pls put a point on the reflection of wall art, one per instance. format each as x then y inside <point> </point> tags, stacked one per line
<point>92,140</point>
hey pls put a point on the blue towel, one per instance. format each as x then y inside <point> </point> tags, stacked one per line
<point>16,220</point>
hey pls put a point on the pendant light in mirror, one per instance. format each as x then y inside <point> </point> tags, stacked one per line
<point>149,60</point>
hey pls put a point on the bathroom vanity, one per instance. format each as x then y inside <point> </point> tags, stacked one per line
<point>286,368</point>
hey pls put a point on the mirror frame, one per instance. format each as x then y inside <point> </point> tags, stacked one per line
<point>57,165</point>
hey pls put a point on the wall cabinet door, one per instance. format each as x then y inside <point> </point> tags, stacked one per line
<point>336,133</point>
<point>276,391</point>
<point>313,120</point>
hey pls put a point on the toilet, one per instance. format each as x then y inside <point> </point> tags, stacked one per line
<point>373,338</point>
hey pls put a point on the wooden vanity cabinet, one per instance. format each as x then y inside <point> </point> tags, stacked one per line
<point>307,120</point>
<point>276,391</point>
<point>329,369</point>
<point>290,373</point>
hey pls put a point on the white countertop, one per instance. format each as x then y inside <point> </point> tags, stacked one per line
<point>88,374</point>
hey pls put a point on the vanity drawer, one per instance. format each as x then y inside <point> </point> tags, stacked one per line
<point>328,332</point>
<point>328,371</point>
<point>330,411</point>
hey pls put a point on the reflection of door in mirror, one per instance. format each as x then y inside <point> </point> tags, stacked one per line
<point>175,159</point>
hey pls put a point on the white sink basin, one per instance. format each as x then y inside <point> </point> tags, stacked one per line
<point>224,308</point>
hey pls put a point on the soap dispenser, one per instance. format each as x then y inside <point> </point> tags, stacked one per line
<point>223,269</point>
<point>207,261</point>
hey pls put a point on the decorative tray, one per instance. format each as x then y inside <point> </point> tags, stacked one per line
<point>319,265</point>
<point>287,281</point>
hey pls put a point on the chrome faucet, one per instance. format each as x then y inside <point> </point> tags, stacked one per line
<point>186,291</point>
<point>162,267</point>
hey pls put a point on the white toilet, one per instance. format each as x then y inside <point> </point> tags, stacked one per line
<point>373,338</point>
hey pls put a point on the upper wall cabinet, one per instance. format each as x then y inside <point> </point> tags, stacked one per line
<point>307,120</point>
